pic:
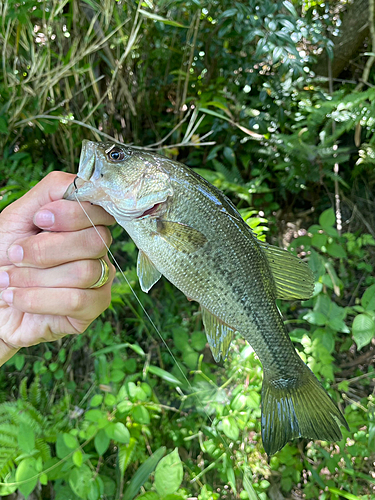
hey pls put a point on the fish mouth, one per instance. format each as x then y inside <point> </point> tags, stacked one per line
<point>151,211</point>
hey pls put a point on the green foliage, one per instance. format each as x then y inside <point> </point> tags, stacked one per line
<point>114,413</point>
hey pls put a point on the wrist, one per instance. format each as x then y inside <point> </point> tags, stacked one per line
<point>6,352</point>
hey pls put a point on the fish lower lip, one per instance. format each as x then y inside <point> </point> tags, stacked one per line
<point>150,211</point>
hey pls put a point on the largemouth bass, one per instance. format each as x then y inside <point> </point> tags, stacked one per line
<point>190,232</point>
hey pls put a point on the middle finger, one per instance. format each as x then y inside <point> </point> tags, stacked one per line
<point>78,274</point>
<point>47,249</point>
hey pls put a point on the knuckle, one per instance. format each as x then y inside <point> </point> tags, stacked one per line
<point>102,241</point>
<point>38,251</point>
<point>87,271</point>
<point>77,300</point>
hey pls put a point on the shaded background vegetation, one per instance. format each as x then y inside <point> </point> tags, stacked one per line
<point>267,102</point>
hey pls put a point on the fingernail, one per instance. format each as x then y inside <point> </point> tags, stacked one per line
<point>4,279</point>
<point>7,296</point>
<point>44,218</point>
<point>15,254</point>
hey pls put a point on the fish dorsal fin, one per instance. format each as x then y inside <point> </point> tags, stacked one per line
<point>293,277</point>
<point>147,273</point>
<point>181,236</point>
<point>218,334</point>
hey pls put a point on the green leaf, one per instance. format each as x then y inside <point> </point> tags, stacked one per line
<point>163,20</point>
<point>70,441</point>
<point>344,494</point>
<point>142,474</point>
<point>327,218</point>
<point>289,6</point>
<point>363,330</point>
<point>169,474</point>
<point>368,299</point>
<point>77,458</point>
<point>118,432</point>
<point>26,438</point>
<point>102,441</point>
<point>125,454</point>
<point>168,377</point>
<point>62,450</point>
<point>230,428</point>
<point>336,250</point>
<point>27,469</point>
<point>141,415</point>
<point>96,400</point>
<point>319,240</point>
<point>315,318</point>
<point>80,481</point>
<point>198,341</point>
<point>248,486</point>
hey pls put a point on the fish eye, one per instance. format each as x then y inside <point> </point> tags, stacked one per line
<point>116,154</point>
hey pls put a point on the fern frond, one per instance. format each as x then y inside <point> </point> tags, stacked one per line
<point>23,389</point>
<point>35,392</point>
<point>6,465</point>
<point>10,429</point>
<point>9,441</point>
<point>45,451</point>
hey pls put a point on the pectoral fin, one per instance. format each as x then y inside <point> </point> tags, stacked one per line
<point>181,236</point>
<point>218,334</point>
<point>293,277</point>
<point>147,273</point>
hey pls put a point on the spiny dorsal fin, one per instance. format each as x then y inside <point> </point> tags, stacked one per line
<point>147,273</point>
<point>181,236</point>
<point>218,334</point>
<point>293,277</point>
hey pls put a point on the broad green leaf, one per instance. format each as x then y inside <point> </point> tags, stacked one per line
<point>142,474</point>
<point>363,330</point>
<point>62,450</point>
<point>141,415</point>
<point>336,250</point>
<point>118,432</point>
<point>169,474</point>
<point>319,240</point>
<point>368,299</point>
<point>327,218</point>
<point>77,458</point>
<point>80,481</point>
<point>27,469</point>
<point>96,400</point>
<point>70,441</point>
<point>315,318</point>
<point>101,442</point>
<point>230,428</point>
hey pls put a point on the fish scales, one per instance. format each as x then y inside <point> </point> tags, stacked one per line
<point>190,232</point>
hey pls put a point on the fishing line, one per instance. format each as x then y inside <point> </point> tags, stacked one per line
<point>157,330</point>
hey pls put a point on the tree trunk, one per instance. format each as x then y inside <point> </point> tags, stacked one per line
<point>353,31</point>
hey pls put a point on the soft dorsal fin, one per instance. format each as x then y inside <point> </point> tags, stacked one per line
<point>218,334</point>
<point>293,277</point>
<point>147,273</point>
<point>181,236</point>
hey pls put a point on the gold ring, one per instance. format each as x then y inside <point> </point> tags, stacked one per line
<point>104,276</point>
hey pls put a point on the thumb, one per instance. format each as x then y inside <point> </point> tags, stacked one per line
<point>16,220</point>
<point>51,188</point>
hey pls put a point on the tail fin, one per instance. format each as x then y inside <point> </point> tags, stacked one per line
<point>298,408</point>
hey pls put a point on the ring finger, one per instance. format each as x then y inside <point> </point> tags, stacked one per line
<point>78,274</point>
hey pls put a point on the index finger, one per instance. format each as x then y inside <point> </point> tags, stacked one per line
<point>69,216</point>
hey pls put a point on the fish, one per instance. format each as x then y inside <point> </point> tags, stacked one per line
<point>188,231</point>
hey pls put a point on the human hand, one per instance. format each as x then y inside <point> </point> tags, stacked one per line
<point>48,265</point>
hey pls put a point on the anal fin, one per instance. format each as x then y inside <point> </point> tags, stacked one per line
<point>219,335</point>
<point>147,273</point>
